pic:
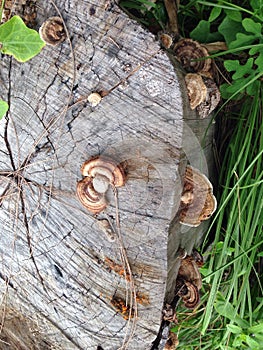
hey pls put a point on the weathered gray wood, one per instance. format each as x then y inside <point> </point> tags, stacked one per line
<point>45,140</point>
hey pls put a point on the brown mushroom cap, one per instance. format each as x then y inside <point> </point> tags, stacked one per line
<point>197,201</point>
<point>92,200</point>
<point>52,31</point>
<point>99,172</point>
<point>166,40</point>
<point>211,100</point>
<point>190,53</point>
<point>172,342</point>
<point>104,167</point>
<point>198,258</point>
<point>197,90</point>
<point>190,295</point>
<point>188,271</point>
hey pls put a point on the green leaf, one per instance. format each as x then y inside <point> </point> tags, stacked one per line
<point>234,15</point>
<point>251,26</point>
<point>3,108</point>
<point>258,328</point>
<point>18,40</point>
<point>259,62</point>
<point>253,344</point>
<point>239,341</point>
<point>214,14</point>
<point>228,28</point>
<point>227,310</point>
<point>244,69</point>
<point>231,65</point>
<point>242,40</point>
<point>202,33</point>
<point>234,329</point>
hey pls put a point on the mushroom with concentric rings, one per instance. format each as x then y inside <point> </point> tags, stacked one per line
<point>99,173</point>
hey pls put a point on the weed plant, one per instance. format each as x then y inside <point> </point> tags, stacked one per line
<point>230,315</point>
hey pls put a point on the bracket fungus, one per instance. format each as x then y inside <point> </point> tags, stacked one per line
<point>52,31</point>
<point>99,173</point>
<point>189,270</point>
<point>189,294</point>
<point>189,281</point>
<point>196,89</point>
<point>211,99</point>
<point>169,313</point>
<point>197,201</point>
<point>166,40</point>
<point>192,56</point>
<point>172,342</point>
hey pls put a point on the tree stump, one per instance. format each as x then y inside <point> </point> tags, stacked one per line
<point>59,269</point>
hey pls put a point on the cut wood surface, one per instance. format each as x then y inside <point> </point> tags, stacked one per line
<point>58,268</point>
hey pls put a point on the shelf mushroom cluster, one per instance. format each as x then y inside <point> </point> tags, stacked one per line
<point>98,174</point>
<point>189,281</point>
<point>197,200</point>
<point>203,92</point>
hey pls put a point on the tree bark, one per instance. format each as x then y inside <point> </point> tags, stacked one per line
<point>58,267</point>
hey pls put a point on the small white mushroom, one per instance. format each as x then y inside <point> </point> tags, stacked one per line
<point>94,99</point>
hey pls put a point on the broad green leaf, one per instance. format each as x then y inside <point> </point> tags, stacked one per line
<point>239,341</point>
<point>231,65</point>
<point>253,344</point>
<point>234,15</point>
<point>252,26</point>
<point>234,329</point>
<point>259,62</point>
<point>259,337</point>
<point>244,69</point>
<point>253,88</point>
<point>18,40</point>
<point>228,28</point>
<point>255,4</point>
<point>202,33</point>
<point>227,310</point>
<point>258,328</point>
<point>3,108</point>
<point>242,40</point>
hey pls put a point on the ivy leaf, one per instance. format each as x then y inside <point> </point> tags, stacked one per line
<point>18,40</point>
<point>234,15</point>
<point>202,33</point>
<point>3,108</point>
<point>228,28</point>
